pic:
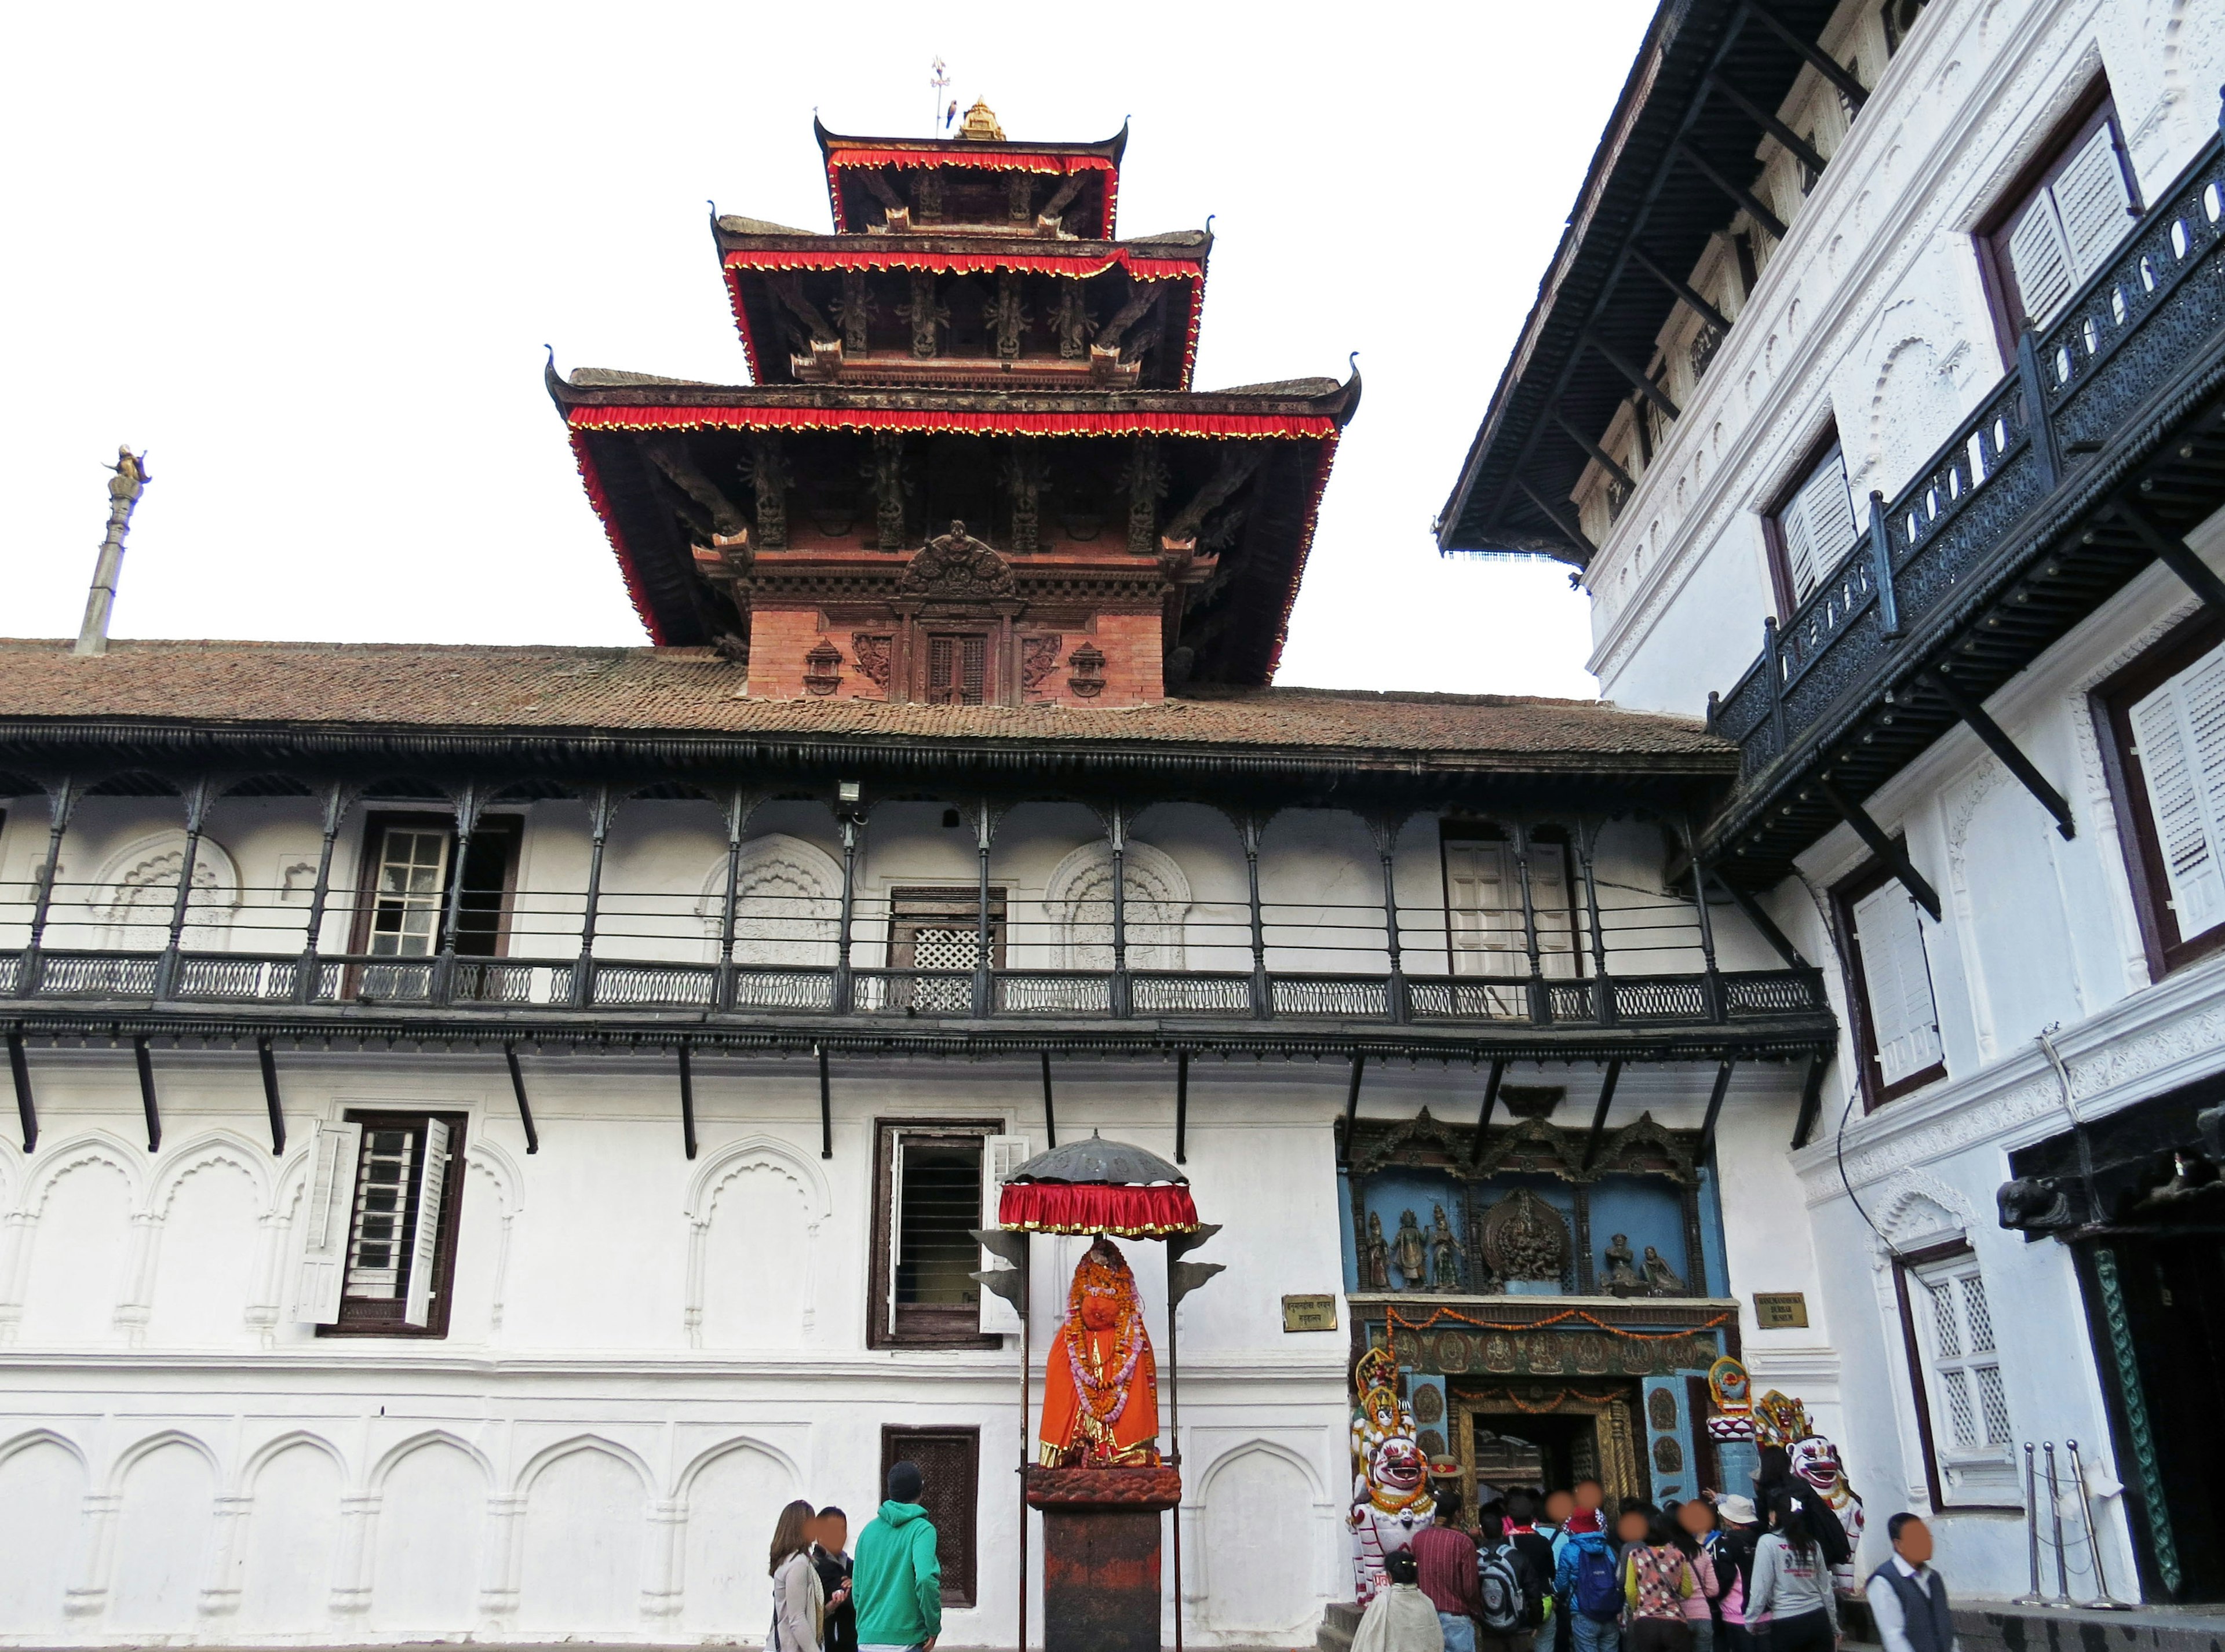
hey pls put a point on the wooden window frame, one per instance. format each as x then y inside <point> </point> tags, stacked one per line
<point>964,901</point>
<point>1905,1263</point>
<point>444,1236</point>
<point>1450,831</point>
<point>2095,105</point>
<point>941,1326</point>
<point>960,1583</point>
<point>375,825</point>
<point>1865,880</point>
<point>1772,529</point>
<point>2112,702</point>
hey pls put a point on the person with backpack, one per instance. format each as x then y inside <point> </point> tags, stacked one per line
<point>1734,1561</point>
<point>1692,1524</point>
<point>1658,1579</point>
<point>1445,1567</point>
<point>1586,1583</point>
<point>1553,1511</point>
<point>1511,1594</point>
<point>1791,1606</point>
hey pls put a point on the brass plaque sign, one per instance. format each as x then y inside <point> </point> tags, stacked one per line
<point>1780,1310</point>
<point>1309,1313</point>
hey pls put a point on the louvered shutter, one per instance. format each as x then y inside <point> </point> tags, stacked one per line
<point>2179,731</point>
<point>2092,202</point>
<point>425,1226</point>
<point>895,1226</point>
<point>327,1207</point>
<point>1000,1156</point>
<point>1818,526</point>
<point>1903,1017</point>
<point>1552,904</point>
<point>2040,261</point>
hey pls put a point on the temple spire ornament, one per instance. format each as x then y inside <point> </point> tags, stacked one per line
<point>124,491</point>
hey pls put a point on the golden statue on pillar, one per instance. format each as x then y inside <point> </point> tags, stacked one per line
<point>1101,1384</point>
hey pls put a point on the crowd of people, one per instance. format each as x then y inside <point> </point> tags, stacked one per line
<point>886,1598</point>
<point>1537,1571</point>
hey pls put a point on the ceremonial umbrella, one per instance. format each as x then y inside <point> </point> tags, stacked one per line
<point>1098,1186</point>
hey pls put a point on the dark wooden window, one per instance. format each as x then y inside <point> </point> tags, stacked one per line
<point>2161,727</point>
<point>957,669</point>
<point>2060,220</point>
<point>1955,1375</point>
<point>932,928</point>
<point>949,1463</point>
<point>406,873</point>
<point>1811,525</point>
<point>928,1197</point>
<point>1889,986</point>
<point>402,1156</point>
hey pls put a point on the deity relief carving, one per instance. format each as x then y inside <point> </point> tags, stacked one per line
<point>1523,1238</point>
<point>1444,1253</point>
<point>956,567</point>
<point>1038,660</point>
<point>1375,1256</point>
<point>871,653</point>
<point>1411,1252</point>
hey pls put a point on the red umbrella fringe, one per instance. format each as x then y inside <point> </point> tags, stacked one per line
<point>1094,1207</point>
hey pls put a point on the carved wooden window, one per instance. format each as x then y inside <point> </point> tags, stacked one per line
<point>375,1249</point>
<point>1484,930</point>
<point>1954,1368</point>
<point>958,669</point>
<point>2163,720</point>
<point>2060,221</point>
<point>928,1193</point>
<point>409,873</point>
<point>950,1463</point>
<point>1813,528</point>
<point>1889,972</point>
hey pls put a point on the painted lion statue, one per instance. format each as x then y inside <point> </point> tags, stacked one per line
<point>1390,1498</point>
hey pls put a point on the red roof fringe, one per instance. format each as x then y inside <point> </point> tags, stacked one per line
<point>850,256</point>
<point>1137,422</point>
<point>997,161</point>
<point>1305,550</point>
<point>638,598</point>
<point>1094,1207</point>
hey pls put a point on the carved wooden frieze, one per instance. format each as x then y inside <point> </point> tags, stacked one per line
<point>1463,1350</point>
<point>1523,1238</point>
<point>871,650</point>
<point>1038,662</point>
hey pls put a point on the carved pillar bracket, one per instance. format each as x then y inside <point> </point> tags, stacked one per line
<point>669,455</point>
<point>1010,316</point>
<point>1146,484</point>
<point>888,480</point>
<point>768,476</point>
<point>855,310</point>
<point>927,316</point>
<point>1073,320</point>
<point>1024,477</point>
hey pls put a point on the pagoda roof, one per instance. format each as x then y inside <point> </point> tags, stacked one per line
<point>840,151</point>
<point>747,245</point>
<point>587,704</point>
<point>606,411</point>
<point>1642,193</point>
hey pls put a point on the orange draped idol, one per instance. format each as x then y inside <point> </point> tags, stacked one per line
<point>1101,1385</point>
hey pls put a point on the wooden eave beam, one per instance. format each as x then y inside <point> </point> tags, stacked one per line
<point>1561,518</point>
<point>1799,147</point>
<point>1715,1105</point>
<point>1813,54</point>
<point>1599,1113</point>
<point>1699,306</point>
<point>1738,192</point>
<point>1811,1100</point>
<point>1894,857</point>
<point>2174,552</point>
<point>1645,386</point>
<point>1490,1105</point>
<point>1606,462</point>
<point>1779,942</point>
<point>1966,707</point>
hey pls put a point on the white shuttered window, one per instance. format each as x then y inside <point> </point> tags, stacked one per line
<point>1817,526</point>
<point>2179,734</point>
<point>370,1221</point>
<point>1971,1432</point>
<point>1897,983</point>
<point>1002,1155</point>
<point>2069,226</point>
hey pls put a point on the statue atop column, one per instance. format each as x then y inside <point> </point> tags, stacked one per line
<point>1101,1385</point>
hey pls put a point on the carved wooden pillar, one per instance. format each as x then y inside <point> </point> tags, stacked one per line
<point>738,803</point>
<point>338,796</point>
<point>848,823</point>
<point>197,802</point>
<point>1541,1004</point>
<point>470,802</point>
<point>1384,829</point>
<point>1587,841</point>
<point>1116,833</point>
<point>1251,827</point>
<point>602,807</point>
<point>984,985</point>
<point>61,802</point>
<point>1715,980</point>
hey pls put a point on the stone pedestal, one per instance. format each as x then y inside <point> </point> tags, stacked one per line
<point>1101,1555</point>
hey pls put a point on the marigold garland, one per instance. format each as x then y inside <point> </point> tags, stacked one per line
<point>1396,1322</point>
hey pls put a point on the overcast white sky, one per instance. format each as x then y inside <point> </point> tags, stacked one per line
<point>307,257</point>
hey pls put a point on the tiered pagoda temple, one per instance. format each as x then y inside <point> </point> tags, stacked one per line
<point>970,468</point>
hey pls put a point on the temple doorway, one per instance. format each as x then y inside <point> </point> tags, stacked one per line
<point>1544,1434</point>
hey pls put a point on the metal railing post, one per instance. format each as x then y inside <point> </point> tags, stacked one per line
<point>337,798</point>
<point>1117,832</point>
<point>849,825</point>
<point>1261,994</point>
<point>61,802</point>
<point>1541,1000</point>
<point>1881,567</point>
<point>166,970</point>
<point>602,808</point>
<point>2046,453</point>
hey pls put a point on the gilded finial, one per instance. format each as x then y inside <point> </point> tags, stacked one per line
<point>981,125</point>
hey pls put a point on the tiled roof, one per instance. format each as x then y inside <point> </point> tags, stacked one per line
<point>692,691</point>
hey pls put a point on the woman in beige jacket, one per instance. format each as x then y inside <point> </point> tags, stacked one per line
<point>799,1600</point>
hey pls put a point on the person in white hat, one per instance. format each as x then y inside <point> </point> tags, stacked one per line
<point>1734,1557</point>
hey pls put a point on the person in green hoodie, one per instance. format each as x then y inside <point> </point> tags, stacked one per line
<point>898,1581</point>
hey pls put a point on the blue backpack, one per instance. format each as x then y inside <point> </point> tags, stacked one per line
<point>1597,1595</point>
